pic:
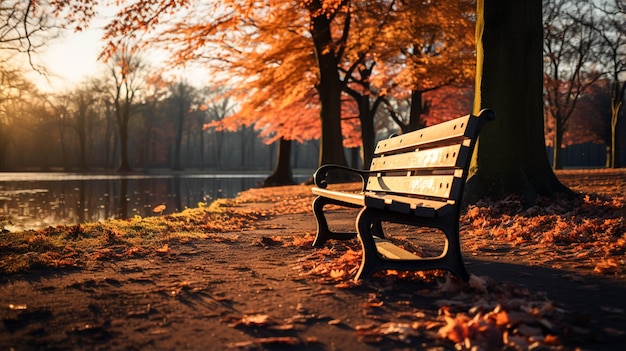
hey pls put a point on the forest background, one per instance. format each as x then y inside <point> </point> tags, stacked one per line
<point>399,65</point>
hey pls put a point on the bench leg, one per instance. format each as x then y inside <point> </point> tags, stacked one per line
<point>452,251</point>
<point>323,232</point>
<point>368,222</point>
<point>367,225</point>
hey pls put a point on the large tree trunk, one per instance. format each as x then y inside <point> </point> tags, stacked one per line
<point>511,157</point>
<point>329,89</point>
<point>417,110</point>
<point>368,134</point>
<point>366,118</point>
<point>282,173</point>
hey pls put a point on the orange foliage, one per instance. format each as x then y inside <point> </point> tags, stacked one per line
<point>427,45</point>
<point>590,121</point>
<point>265,50</point>
<point>447,103</point>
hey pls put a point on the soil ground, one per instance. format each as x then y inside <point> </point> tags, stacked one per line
<point>252,289</point>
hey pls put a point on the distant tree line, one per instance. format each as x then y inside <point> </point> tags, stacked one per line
<point>77,130</point>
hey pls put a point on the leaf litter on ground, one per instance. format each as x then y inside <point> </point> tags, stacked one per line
<point>585,235</point>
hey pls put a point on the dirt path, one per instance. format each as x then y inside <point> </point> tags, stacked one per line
<point>254,289</point>
<point>208,296</point>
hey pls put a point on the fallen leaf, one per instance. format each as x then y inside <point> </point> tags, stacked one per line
<point>256,319</point>
<point>337,273</point>
<point>287,340</point>
<point>159,209</point>
<point>455,329</point>
<point>325,292</point>
<point>374,304</point>
<point>365,326</point>
<point>17,307</point>
<point>281,327</point>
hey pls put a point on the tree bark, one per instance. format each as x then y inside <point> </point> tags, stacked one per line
<point>417,110</point>
<point>282,173</point>
<point>329,89</point>
<point>511,155</point>
<point>366,118</point>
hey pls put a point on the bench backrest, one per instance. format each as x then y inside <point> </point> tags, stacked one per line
<point>432,162</point>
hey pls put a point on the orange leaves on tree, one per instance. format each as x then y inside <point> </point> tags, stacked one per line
<point>437,43</point>
<point>266,49</point>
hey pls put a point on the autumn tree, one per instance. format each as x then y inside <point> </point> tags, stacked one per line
<point>38,125</point>
<point>25,27</point>
<point>433,47</point>
<point>108,136</point>
<point>511,157</point>
<point>612,30</point>
<point>216,107</point>
<point>127,70</point>
<point>11,86</point>
<point>308,26</point>
<point>402,51</point>
<point>591,121</point>
<point>28,25</point>
<point>182,97</point>
<point>79,116</point>
<point>569,49</point>
<point>153,152</point>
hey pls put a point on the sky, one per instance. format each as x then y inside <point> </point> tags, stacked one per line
<point>70,60</point>
<point>73,58</point>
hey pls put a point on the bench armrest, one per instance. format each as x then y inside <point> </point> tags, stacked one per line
<point>320,177</point>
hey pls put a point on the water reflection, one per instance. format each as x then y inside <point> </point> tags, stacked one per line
<point>38,200</point>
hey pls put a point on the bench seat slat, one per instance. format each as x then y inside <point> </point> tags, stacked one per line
<point>443,186</point>
<point>442,157</point>
<point>392,251</point>
<point>403,204</point>
<point>456,129</point>
<point>351,198</point>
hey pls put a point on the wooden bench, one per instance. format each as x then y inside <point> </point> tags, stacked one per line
<point>416,179</point>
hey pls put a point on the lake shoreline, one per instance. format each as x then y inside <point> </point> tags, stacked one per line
<point>41,199</point>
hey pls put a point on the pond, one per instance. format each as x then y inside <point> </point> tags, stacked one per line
<point>39,200</point>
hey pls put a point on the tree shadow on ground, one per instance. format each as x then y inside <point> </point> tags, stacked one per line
<point>596,304</point>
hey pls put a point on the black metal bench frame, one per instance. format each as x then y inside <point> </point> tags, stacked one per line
<point>415,179</point>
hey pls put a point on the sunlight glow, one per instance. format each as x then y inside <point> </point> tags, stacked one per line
<point>70,60</point>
